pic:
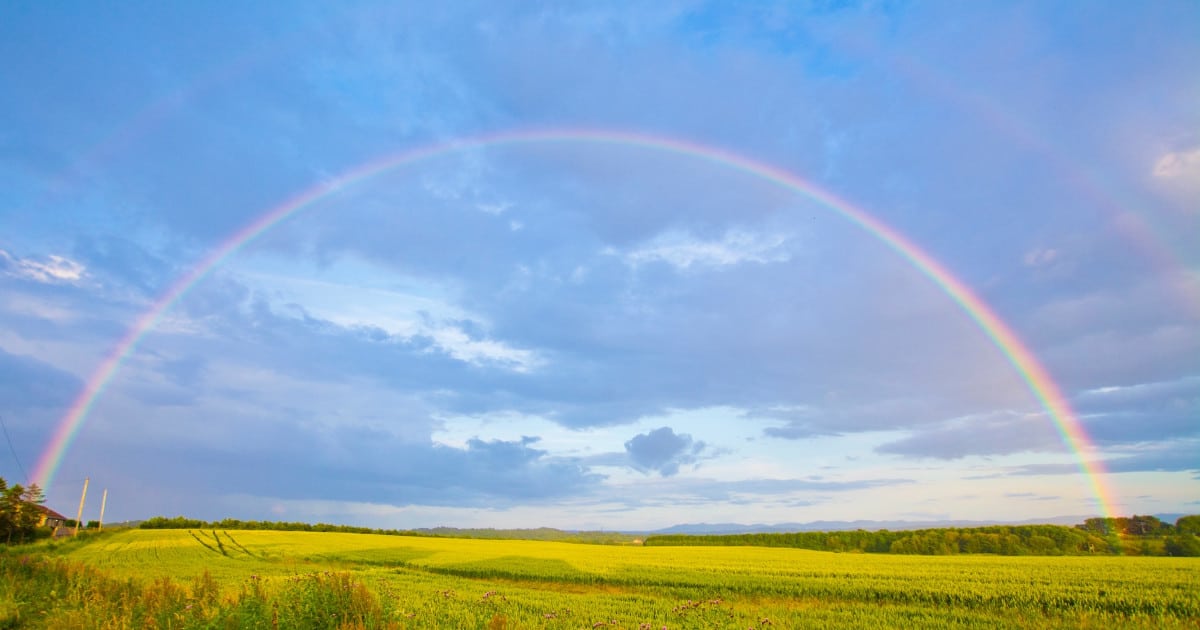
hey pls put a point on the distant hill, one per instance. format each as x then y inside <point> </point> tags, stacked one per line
<point>540,533</point>
<point>835,526</point>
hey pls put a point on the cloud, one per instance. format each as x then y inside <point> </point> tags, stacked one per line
<point>122,260</point>
<point>1031,496</point>
<point>28,383</point>
<point>684,251</point>
<point>1127,330</point>
<point>699,491</point>
<point>594,284</point>
<point>1178,164</point>
<point>461,345</point>
<point>301,460</point>
<point>663,451</point>
<point>1141,413</point>
<point>1040,257</point>
<point>1165,456</point>
<point>999,433</point>
<point>834,414</point>
<point>51,269</point>
<point>800,421</point>
<point>1112,416</point>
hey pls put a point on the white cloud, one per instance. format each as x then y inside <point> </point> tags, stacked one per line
<point>683,251</point>
<point>494,208</point>
<point>1177,174</point>
<point>355,294</point>
<point>33,306</point>
<point>1187,384</point>
<point>1040,257</point>
<point>1174,164</point>
<point>458,344</point>
<point>51,270</point>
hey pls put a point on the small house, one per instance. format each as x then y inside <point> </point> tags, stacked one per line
<point>50,518</point>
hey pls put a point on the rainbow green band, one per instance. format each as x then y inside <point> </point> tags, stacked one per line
<point>1035,376</point>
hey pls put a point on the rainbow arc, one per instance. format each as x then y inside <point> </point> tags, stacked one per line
<point>1035,376</point>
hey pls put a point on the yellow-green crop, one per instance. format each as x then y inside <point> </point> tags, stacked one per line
<point>319,579</point>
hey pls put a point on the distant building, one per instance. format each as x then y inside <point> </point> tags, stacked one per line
<point>50,518</point>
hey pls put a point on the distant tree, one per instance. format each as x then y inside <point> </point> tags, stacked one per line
<point>1101,526</point>
<point>1144,525</point>
<point>1183,545</point>
<point>1188,524</point>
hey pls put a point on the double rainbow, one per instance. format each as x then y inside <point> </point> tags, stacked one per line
<point>1035,376</point>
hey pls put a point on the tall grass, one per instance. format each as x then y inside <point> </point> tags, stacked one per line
<point>39,592</point>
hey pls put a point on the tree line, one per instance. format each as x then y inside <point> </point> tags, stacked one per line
<point>21,513</point>
<point>541,533</point>
<point>180,522</point>
<point>1136,535</point>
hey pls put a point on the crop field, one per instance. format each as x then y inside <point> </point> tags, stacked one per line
<point>217,578</point>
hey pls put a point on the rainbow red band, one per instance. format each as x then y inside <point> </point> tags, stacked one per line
<point>1035,376</point>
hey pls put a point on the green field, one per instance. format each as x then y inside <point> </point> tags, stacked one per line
<point>297,579</point>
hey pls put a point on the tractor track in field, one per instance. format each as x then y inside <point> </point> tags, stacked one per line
<point>237,544</point>
<point>201,541</point>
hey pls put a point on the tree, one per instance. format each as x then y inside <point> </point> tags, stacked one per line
<point>19,510</point>
<point>1101,526</point>
<point>1183,545</point>
<point>7,517</point>
<point>10,506</point>
<point>1144,525</point>
<point>1188,525</point>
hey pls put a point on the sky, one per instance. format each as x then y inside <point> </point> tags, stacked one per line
<point>530,266</point>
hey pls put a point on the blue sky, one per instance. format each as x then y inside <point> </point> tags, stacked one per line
<point>589,335</point>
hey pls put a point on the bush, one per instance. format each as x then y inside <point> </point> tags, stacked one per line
<point>1183,545</point>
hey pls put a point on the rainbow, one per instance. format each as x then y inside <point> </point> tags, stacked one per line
<point>1035,376</point>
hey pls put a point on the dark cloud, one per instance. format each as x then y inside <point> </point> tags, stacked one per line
<point>663,451</point>
<point>1164,456</point>
<point>704,491</point>
<point>1112,416</point>
<point>357,465</point>
<point>120,260</point>
<point>27,383</point>
<point>1142,413</point>
<point>995,434</point>
<point>1167,456</point>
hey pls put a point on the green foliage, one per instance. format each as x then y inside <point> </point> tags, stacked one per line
<point>181,522</point>
<point>1136,525</point>
<point>1135,535</point>
<point>1045,540</point>
<point>20,513</point>
<point>1188,524</point>
<point>1182,545</point>
<point>53,593</point>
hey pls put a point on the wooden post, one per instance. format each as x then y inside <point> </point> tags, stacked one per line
<point>79,516</point>
<point>103,501</point>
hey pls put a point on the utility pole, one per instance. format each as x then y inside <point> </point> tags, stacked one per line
<point>79,516</point>
<point>103,501</point>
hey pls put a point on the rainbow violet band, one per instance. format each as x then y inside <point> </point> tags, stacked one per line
<point>1035,376</point>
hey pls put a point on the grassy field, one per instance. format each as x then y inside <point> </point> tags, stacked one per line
<point>216,578</point>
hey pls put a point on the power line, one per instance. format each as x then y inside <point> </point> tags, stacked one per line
<point>13,450</point>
